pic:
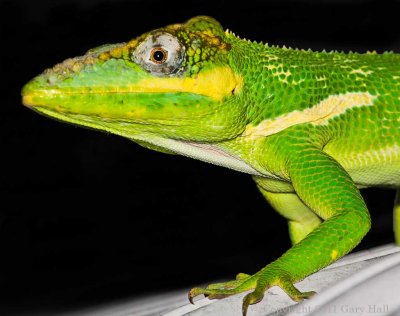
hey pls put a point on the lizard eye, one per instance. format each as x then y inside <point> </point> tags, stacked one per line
<point>160,54</point>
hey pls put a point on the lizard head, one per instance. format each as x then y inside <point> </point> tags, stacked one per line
<point>175,82</point>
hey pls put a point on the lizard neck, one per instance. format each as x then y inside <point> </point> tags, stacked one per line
<point>280,80</point>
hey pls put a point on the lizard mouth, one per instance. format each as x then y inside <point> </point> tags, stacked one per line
<point>100,108</point>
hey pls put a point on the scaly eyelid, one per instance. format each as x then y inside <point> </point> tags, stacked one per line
<point>176,52</point>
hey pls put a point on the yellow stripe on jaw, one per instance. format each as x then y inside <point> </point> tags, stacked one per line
<point>216,84</point>
<point>318,114</point>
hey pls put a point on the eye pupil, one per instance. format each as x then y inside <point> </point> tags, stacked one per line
<point>158,55</point>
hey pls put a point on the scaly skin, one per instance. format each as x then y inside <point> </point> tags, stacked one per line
<point>310,127</point>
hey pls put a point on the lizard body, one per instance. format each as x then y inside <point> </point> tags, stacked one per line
<point>312,128</point>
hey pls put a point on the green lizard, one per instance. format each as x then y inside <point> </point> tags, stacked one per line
<point>312,128</point>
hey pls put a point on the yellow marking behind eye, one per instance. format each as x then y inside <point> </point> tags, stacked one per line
<point>216,84</point>
<point>317,115</point>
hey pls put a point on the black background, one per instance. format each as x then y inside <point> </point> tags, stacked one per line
<point>88,217</point>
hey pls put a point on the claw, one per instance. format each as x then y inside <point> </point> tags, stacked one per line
<point>250,299</point>
<point>193,293</point>
<point>190,299</point>
<point>244,309</point>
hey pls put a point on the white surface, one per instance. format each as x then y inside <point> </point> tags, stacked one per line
<point>374,289</point>
<point>363,283</point>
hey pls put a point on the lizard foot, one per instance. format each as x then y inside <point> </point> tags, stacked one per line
<point>260,282</point>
